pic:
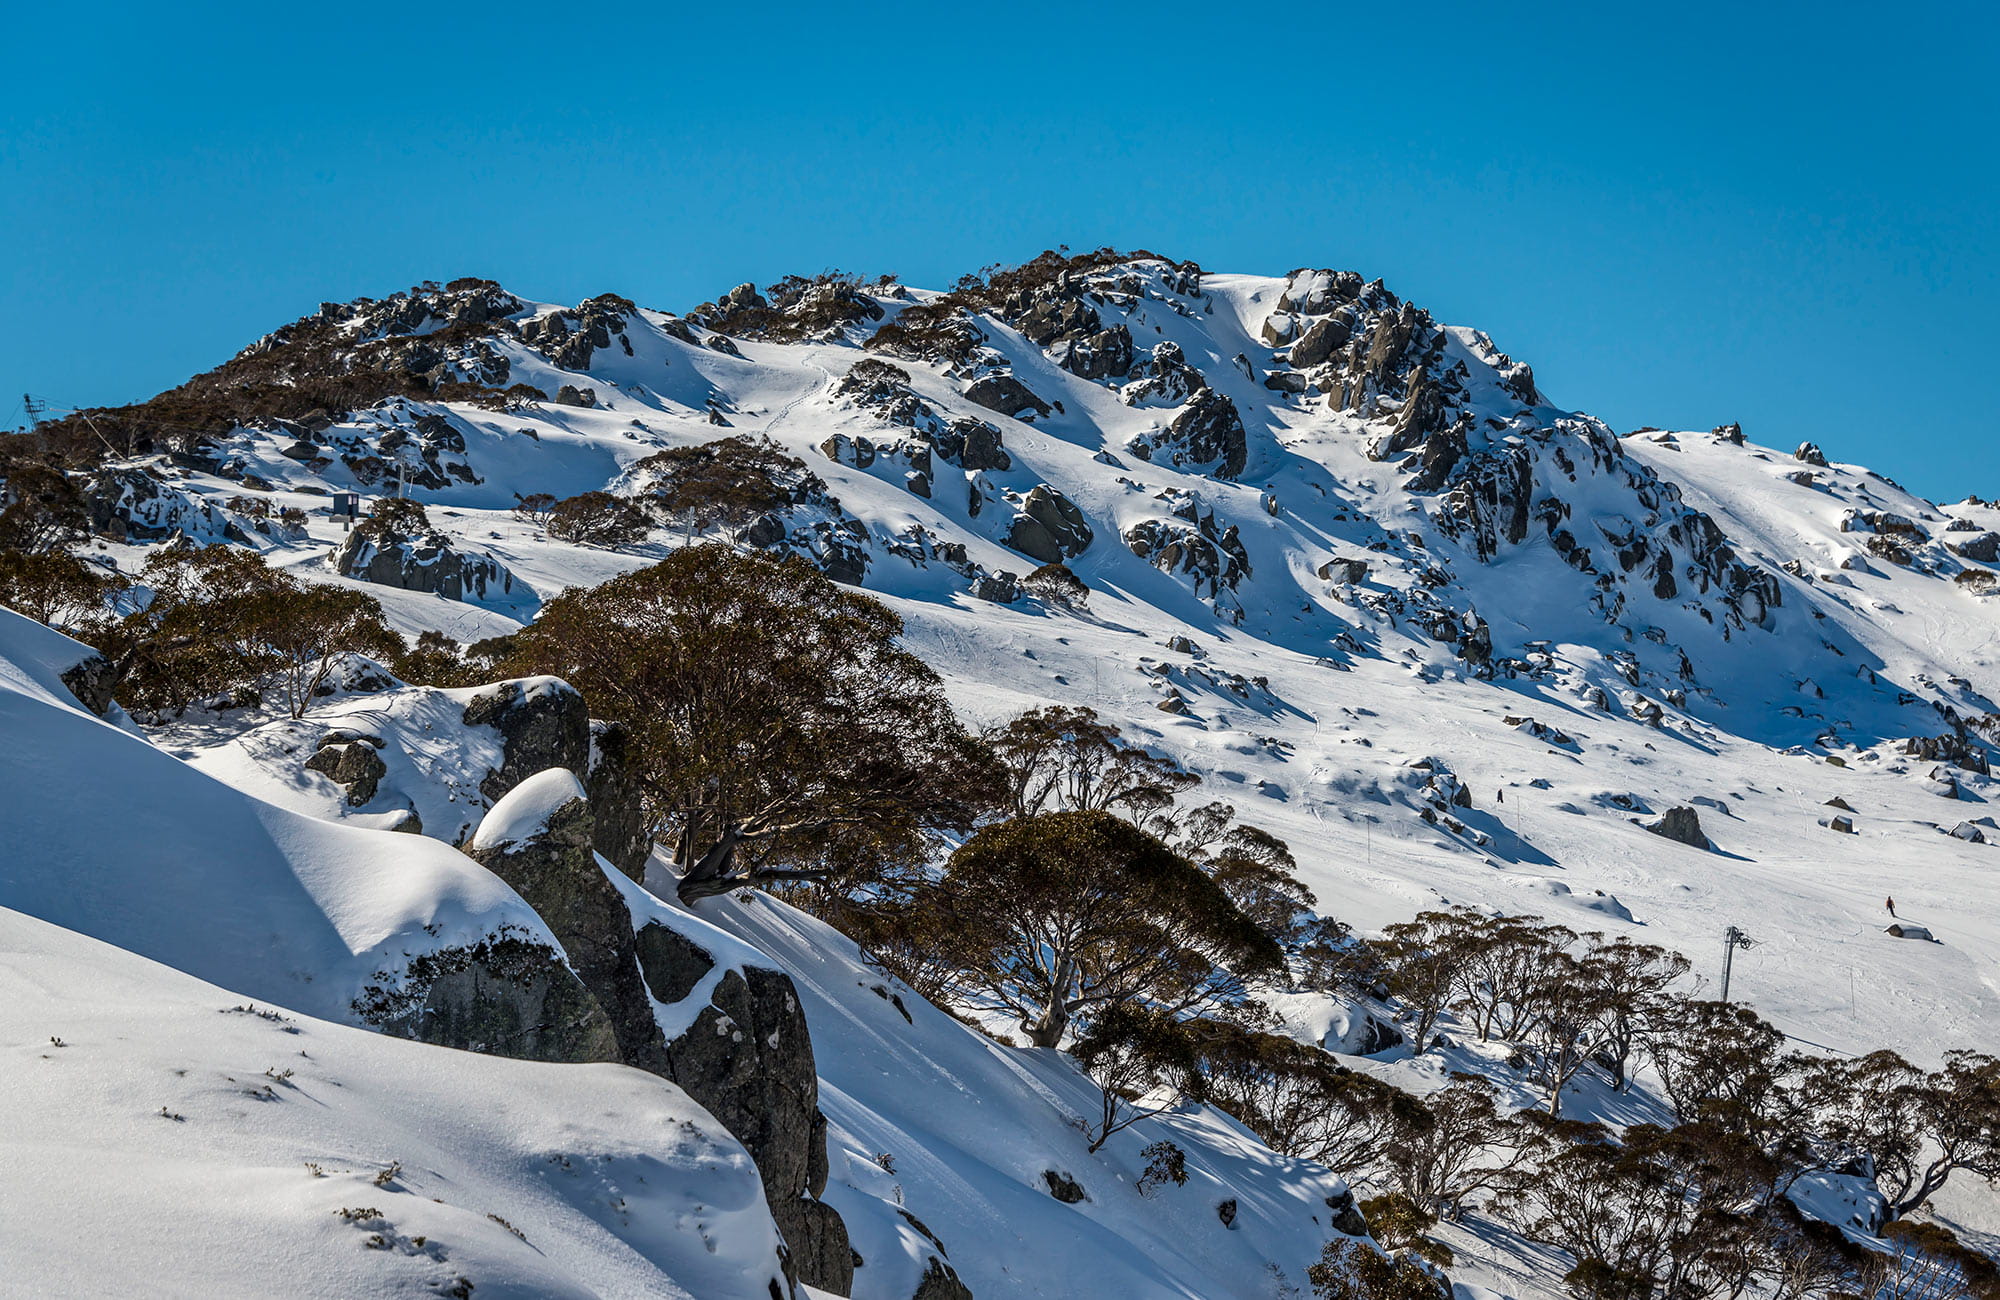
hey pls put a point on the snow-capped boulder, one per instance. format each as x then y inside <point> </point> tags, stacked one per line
<point>1206,433</point>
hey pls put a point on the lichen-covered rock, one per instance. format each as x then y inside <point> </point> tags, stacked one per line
<point>538,839</point>
<point>747,1057</point>
<point>508,995</point>
<point>616,801</point>
<point>543,723</point>
<point>91,680</point>
<point>352,761</point>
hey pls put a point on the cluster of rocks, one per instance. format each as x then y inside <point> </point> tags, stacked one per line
<point>421,559</point>
<point>1049,527</point>
<point>1206,433</point>
<point>571,338</point>
<point>1188,544</point>
<point>137,505</point>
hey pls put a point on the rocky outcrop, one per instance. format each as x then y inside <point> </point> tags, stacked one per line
<point>425,561</point>
<point>132,505</point>
<point>1049,527</point>
<point>508,995</point>
<point>1683,826</point>
<point>571,338</point>
<point>1206,433</point>
<point>92,680</point>
<point>351,760</point>
<point>1165,380</point>
<point>1007,395</point>
<point>747,1057</point>
<point>1190,546</point>
<point>538,840</point>
<point>543,723</point>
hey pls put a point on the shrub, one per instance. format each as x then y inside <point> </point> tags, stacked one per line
<point>595,519</point>
<point>1055,584</point>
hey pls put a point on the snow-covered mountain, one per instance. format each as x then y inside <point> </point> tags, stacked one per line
<point>1344,562</point>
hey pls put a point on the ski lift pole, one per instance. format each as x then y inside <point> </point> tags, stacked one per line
<point>1732,939</point>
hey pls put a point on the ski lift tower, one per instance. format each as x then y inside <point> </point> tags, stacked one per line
<point>1732,939</point>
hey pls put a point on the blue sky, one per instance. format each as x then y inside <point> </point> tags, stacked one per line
<point>1681,215</point>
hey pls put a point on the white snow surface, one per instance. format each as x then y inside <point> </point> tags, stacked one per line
<point>166,1138</point>
<point>524,812</point>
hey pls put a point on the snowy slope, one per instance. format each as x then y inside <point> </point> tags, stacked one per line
<point>167,1138</point>
<point>114,839</point>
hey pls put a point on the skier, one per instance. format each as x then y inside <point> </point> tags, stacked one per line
<point>1892,907</point>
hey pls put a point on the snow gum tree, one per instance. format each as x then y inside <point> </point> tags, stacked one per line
<point>782,734</point>
<point>1058,916</point>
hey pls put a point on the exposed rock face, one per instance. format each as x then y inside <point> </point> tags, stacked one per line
<point>1063,1187</point>
<point>1207,431</point>
<point>132,505</point>
<point>571,338</point>
<point>571,395</point>
<point>1683,826</point>
<point>1002,588</point>
<point>353,761</point>
<point>1007,395</point>
<point>1810,453</point>
<point>1213,560</point>
<point>1049,527</point>
<point>91,681</point>
<point>940,1282</point>
<point>422,562</point>
<point>1165,380</point>
<point>543,723</point>
<point>508,995</point>
<point>1339,570</point>
<point>538,840</point>
<point>1984,548</point>
<point>613,786</point>
<point>748,1058</point>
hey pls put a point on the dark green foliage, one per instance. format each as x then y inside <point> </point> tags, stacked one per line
<point>56,588</point>
<point>219,617</point>
<point>1058,758</point>
<point>40,509</point>
<point>394,517</point>
<point>1055,584</point>
<point>1354,1270</point>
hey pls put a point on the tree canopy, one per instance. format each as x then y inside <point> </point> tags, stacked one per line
<point>782,733</point>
